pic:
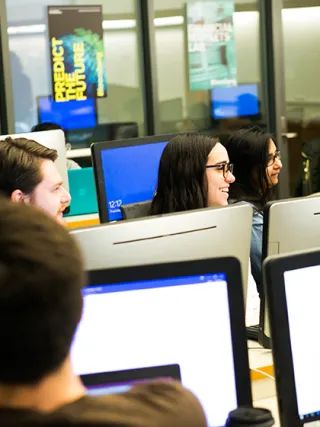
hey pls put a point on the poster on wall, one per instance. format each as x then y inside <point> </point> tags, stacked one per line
<point>78,65</point>
<point>211,44</point>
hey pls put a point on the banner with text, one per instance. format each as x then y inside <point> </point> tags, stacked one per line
<point>211,44</point>
<point>77,52</point>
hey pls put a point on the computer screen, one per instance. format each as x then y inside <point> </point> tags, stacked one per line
<point>177,320</point>
<point>121,387</point>
<point>121,381</point>
<point>69,115</point>
<point>237,101</point>
<point>130,175</point>
<point>302,292</point>
<point>104,389</point>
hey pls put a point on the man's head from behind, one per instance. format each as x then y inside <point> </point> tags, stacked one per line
<point>41,275</point>
<point>28,174</point>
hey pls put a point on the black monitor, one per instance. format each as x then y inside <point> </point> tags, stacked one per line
<point>115,131</point>
<point>189,314</point>
<point>103,383</point>
<point>292,287</point>
<point>126,172</point>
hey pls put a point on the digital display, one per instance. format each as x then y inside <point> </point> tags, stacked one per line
<point>70,114</point>
<point>238,101</point>
<point>181,320</point>
<point>117,388</point>
<point>130,175</point>
<point>303,295</point>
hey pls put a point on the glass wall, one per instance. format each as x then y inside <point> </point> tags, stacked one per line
<point>182,109</point>
<point>30,64</point>
<point>301,33</point>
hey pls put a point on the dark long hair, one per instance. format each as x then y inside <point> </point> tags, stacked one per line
<point>248,150</point>
<point>182,183</point>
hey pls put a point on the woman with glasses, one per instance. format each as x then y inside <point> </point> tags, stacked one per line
<point>194,173</point>
<point>257,164</point>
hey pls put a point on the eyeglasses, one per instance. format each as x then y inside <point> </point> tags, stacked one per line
<point>225,167</point>
<point>273,157</point>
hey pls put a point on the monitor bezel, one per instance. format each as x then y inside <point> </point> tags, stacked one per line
<point>67,130</point>
<point>128,375</point>
<point>228,265</point>
<point>264,339</point>
<point>97,148</point>
<point>274,287</point>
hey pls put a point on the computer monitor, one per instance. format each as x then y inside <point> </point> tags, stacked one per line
<point>236,101</point>
<point>198,234</point>
<point>52,139</point>
<point>83,192</point>
<point>293,292</point>
<point>121,381</point>
<point>289,225</point>
<point>126,172</point>
<point>69,114</point>
<point>190,314</point>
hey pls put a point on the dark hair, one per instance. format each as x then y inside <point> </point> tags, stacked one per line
<point>182,183</point>
<point>20,161</point>
<point>46,126</point>
<point>248,150</point>
<point>41,275</point>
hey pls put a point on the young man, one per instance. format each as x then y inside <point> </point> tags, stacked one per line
<point>41,276</point>
<point>28,174</point>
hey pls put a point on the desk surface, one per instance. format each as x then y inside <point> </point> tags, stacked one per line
<point>260,362</point>
<point>82,220</point>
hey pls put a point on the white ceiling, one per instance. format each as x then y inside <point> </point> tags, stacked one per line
<point>36,10</point>
<point>23,11</point>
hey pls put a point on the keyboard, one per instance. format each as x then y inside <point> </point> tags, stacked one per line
<point>252,332</point>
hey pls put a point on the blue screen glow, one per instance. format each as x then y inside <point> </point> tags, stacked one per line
<point>238,101</point>
<point>130,175</point>
<point>69,115</point>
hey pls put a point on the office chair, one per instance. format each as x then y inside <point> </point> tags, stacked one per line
<point>135,210</point>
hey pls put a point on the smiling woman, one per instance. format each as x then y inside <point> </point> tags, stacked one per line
<point>194,173</point>
<point>219,183</point>
<point>257,164</point>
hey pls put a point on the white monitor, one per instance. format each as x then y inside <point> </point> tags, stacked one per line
<point>188,314</point>
<point>51,139</point>
<point>289,226</point>
<point>199,234</point>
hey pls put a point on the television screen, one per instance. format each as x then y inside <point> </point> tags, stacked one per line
<point>69,115</point>
<point>238,101</point>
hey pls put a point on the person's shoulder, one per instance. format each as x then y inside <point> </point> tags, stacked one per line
<point>256,209</point>
<point>159,404</point>
<point>72,165</point>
